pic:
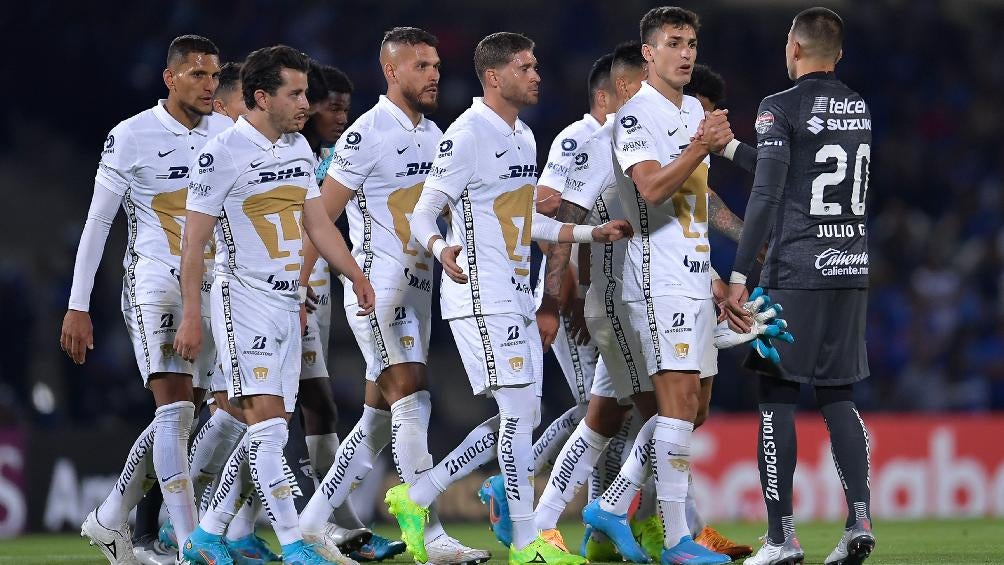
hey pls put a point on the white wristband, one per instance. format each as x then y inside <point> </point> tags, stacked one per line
<point>730,150</point>
<point>582,234</point>
<point>301,292</point>
<point>437,248</point>
<point>737,278</point>
<point>714,275</point>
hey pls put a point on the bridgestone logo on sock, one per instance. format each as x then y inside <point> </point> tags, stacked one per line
<point>769,455</point>
<point>480,446</point>
<point>508,460</point>
<point>346,452</point>
<point>568,464</point>
<point>229,477</point>
<point>133,462</point>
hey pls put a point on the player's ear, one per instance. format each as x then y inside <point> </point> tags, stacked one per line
<point>169,78</point>
<point>218,106</point>
<point>261,99</point>
<point>389,73</point>
<point>646,52</point>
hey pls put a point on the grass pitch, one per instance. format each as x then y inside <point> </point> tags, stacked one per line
<point>919,542</point>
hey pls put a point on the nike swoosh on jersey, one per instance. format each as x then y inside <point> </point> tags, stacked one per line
<point>171,477</point>
<point>499,155</point>
<point>402,150</point>
<point>672,132</point>
<point>256,165</point>
<point>165,154</point>
<point>277,482</point>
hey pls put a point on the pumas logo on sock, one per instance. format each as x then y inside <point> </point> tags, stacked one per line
<point>283,492</point>
<point>175,487</point>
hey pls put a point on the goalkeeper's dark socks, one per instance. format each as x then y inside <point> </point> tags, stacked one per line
<point>777,453</point>
<point>849,443</point>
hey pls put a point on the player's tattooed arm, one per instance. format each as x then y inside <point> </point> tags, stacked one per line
<point>722,219</point>
<point>559,253</point>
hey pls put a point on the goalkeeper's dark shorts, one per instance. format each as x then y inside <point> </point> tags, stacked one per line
<point>829,330</point>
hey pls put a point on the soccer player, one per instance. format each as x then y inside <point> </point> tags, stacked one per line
<point>662,144</point>
<point>484,172</point>
<point>228,99</point>
<point>253,183</point>
<point>577,361</point>
<point>592,189</point>
<point>144,168</point>
<point>814,151</point>
<point>377,172</point>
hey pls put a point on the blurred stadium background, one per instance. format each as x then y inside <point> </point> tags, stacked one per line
<point>929,69</point>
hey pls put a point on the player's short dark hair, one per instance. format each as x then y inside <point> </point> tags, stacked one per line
<point>707,83</point>
<point>823,28</point>
<point>317,87</point>
<point>409,36</point>
<point>599,76</point>
<point>667,15</point>
<point>262,67</point>
<point>497,49</point>
<point>337,80</point>
<point>182,45</point>
<point>628,54</point>
<point>230,77</point>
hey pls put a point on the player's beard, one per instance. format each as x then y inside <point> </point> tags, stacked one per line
<point>414,97</point>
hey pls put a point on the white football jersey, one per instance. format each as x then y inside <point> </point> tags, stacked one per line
<point>669,253</point>
<point>385,159</point>
<point>146,161</point>
<point>564,148</point>
<point>559,163</point>
<point>591,184</point>
<point>489,172</point>
<point>257,190</point>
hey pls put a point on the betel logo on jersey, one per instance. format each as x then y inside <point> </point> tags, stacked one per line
<point>568,147</point>
<point>206,163</point>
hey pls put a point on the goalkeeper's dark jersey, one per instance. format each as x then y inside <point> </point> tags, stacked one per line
<point>822,129</point>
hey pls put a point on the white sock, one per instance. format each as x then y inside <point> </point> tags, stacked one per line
<point>243,523</point>
<point>234,488</point>
<point>321,450</point>
<point>409,436</point>
<point>635,471</point>
<point>671,456</point>
<point>572,468</point>
<point>474,451</point>
<point>136,478</point>
<point>353,460</point>
<point>210,449</point>
<point>555,436</point>
<point>695,523</point>
<point>518,409</point>
<point>613,457</point>
<point>265,442</point>
<point>170,460</point>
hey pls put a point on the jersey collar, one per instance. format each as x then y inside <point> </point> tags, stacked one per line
<point>650,91</point>
<point>591,120</point>
<point>821,75</point>
<point>398,114</point>
<point>176,127</point>
<point>494,119</point>
<point>256,137</point>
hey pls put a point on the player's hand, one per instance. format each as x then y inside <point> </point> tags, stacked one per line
<point>449,260</point>
<point>716,131</point>
<point>612,231</point>
<point>365,296</point>
<point>577,322</point>
<point>77,335</point>
<point>547,320</point>
<point>312,300</point>
<point>188,340</point>
<point>720,292</point>
<point>303,319</point>
<point>740,319</point>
